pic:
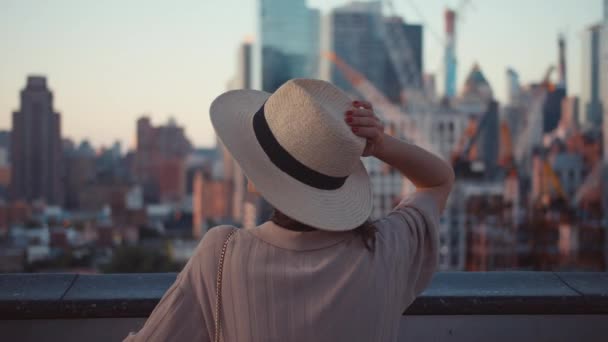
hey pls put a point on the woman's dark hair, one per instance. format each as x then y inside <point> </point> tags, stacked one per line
<point>366,231</point>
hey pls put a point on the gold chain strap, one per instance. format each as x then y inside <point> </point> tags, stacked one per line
<point>218,298</point>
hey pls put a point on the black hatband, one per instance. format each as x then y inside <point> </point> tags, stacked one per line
<point>286,162</point>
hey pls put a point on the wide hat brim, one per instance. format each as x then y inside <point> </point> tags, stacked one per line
<point>334,210</point>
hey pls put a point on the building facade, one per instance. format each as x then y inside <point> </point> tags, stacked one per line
<point>5,145</point>
<point>160,160</point>
<point>604,82</point>
<point>5,166</point>
<point>233,177</point>
<point>592,106</point>
<point>445,128</point>
<point>209,203</point>
<point>356,37</point>
<point>289,34</point>
<point>36,153</point>
<point>569,169</point>
<point>79,170</point>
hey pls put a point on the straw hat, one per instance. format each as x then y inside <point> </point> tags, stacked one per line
<point>296,148</point>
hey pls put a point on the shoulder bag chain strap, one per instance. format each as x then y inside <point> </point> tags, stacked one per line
<point>218,299</point>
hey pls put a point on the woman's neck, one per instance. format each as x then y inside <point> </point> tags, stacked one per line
<point>288,223</point>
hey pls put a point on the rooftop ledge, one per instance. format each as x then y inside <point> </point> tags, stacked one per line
<point>79,296</point>
<point>457,307</point>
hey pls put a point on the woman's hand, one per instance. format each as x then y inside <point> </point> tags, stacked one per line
<point>364,123</point>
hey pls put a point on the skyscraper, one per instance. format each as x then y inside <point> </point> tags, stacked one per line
<point>5,167</point>
<point>412,35</point>
<point>488,141</point>
<point>562,69</point>
<point>5,143</point>
<point>513,87</point>
<point>569,121</point>
<point>243,77</point>
<point>604,61</point>
<point>604,90</point>
<point>235,181</point>
<point>552,108</point>
<point>36,146</point>
<point>289,34</point>
<point>591,103</point>
<point>356,38</point>
<point>353,38</point>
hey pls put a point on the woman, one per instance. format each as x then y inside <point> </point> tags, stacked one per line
<point>319,270</point>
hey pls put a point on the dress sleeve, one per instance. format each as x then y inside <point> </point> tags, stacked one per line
<point>177,317</point>
<point>185,312</point>
<point>413,228</point>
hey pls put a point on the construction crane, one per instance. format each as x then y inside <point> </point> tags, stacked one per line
<point>462,7</point>
<point>468,133</point>
<point>523,148</point>
<point>383,106</point>
<point>401,55</point>
<point>407,72</point>
<point>399,50</point>
<point>552,182</point>
<point>546,83</point>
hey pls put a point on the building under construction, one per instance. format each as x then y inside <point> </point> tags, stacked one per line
<point>528,184</point>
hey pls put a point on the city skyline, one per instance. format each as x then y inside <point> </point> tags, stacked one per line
<point>124,61</point>
<point>529,191</point>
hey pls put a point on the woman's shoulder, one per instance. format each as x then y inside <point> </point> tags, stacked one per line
<point>218,233</point>
<point>418,208</point>
<point>416,216</point>
<point>214,239</point>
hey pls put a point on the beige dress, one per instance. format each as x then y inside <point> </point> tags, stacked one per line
<point>281,285</point>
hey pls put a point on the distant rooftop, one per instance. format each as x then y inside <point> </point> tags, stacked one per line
<point>359,7</point>
<point>36,82</point>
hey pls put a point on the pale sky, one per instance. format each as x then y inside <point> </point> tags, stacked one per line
<point>110,61</point>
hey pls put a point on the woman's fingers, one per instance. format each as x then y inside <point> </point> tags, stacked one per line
<point>359,112</point>
<point>366,132</point>
<point>369,121</point>
<point>361,103</point>
<point>364,123</point>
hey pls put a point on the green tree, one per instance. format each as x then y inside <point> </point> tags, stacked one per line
<point>134,259</point>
